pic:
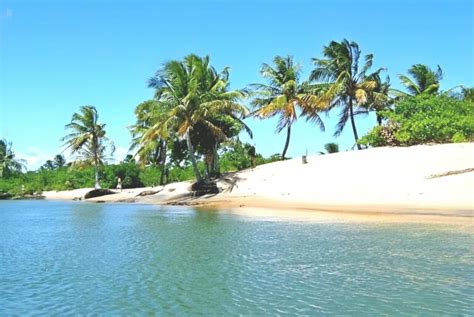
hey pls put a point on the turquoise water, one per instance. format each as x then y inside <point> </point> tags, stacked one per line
<point>59,258</point>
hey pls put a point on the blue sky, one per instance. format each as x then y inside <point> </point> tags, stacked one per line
<point>56,56</point>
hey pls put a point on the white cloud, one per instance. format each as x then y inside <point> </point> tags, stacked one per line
<point>34,157</point>
<point>119,154</point>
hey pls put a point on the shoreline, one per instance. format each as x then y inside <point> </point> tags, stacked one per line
<point>439,181</point>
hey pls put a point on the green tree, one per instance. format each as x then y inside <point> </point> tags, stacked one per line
<point>59,161</point>
<point>424,119</point>
<point>196,92</point>
<point>153,149</point>
<point>379,98</point>
<point>8,162</point>
<point>468,94</point>
<point>49,165</point>
<point>129,159</point>
<point>347,83</point>
<point>88,139</point>
<point>330,148</point>
<point>284,95</point>
<point>424,81</point>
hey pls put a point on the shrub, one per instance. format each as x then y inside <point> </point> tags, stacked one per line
<point>424,119</point>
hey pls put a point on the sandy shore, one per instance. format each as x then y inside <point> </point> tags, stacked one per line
<point>429,180</point>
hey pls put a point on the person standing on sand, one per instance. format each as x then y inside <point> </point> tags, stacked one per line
<point>119,184</point>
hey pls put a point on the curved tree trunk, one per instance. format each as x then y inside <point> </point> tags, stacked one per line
<point>288,134</point>
<point>351,112</point>
<point>192,157</point>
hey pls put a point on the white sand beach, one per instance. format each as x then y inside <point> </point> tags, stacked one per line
<point>437,179</point>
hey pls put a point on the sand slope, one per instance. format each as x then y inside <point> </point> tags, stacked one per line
<point>380,176</point>
<point>390,177</point>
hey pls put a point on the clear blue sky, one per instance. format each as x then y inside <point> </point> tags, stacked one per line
<point>59,55</point>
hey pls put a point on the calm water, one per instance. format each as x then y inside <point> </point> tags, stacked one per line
<point>70,258</point>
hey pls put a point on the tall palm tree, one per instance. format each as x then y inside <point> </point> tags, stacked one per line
<point>8,162</point>
<point>196,92</point>
<point>283,95</point>
<point>346,83</point>
<point>88,139</point>
<point>425,80</point>
<point>154,151</point>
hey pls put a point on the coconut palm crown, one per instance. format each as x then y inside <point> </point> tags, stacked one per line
<point>346,83</point>
<point>424,80</point>
<point>196,93</point>
<point>8,162</point>
<point>284,96</point>
<point>88,139</point>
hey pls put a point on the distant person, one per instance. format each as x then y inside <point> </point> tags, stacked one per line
<point>119,184</point>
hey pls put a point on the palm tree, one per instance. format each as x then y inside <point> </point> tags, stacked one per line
<point>468,93</point>
<point>196,93</point>
<point>330,148</point>
<point>284,95</point>
<point>8,162</point>
<point>59,161</point>
<point>425,80</point>
<point>150,151</point>
<point>379,98</point>
<point>87,139</point>
<point>346,84</point>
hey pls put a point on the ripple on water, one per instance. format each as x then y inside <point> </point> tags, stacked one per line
<point>67,258</point>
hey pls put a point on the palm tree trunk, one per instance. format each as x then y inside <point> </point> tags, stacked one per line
<point>192,157</point>
<point>215,161</point>
<point>96,164</point>
<point>379,118</point>
<point>96,172</point>
<point>163,162</point>
<point>351,112</point>
<point>288,134</point>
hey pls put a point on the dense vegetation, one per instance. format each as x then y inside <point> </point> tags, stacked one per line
<point>424,119</point>
<point>190,129</point>
<point>235,157</point>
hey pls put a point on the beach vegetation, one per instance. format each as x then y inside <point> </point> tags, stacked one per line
<point>9,163</point>
<point>201,102</point>
<point>330,148</point>
<point>424,80</point>
<point>88,140</point>
<point>424,119</point>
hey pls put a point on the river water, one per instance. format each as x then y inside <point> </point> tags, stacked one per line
<point>68,258</point>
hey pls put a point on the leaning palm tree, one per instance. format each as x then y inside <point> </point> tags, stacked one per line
<point>196,93</point>
<point>8,162</point>
<point>284,95</point>
<point>346,83</point>
<point>88,139</point>
<point>424,81</point>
